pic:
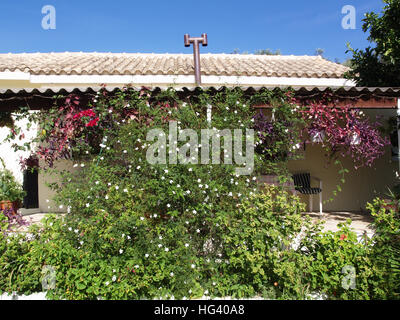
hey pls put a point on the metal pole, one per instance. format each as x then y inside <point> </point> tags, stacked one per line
<point>196,56</point>
<point>196,53</point>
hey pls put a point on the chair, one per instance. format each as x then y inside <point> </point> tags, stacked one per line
<point>302,182</point>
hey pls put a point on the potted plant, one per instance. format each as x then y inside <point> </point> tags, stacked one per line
<point>11,192</point>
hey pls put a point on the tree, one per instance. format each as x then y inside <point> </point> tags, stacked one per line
<point>379,65</point>
<point>265,52</point>
<point>268,52</point>
<point>319,52</point>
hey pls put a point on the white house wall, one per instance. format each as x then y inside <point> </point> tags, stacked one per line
<point>7,153</point>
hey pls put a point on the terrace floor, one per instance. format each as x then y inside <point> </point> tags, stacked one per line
<point>360,221</point>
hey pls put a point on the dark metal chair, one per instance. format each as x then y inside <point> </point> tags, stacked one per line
<point>302,182</point>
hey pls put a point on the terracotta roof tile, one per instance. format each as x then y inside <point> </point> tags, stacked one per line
<point>78,63</point>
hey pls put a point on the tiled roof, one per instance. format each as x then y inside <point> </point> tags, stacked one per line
<point>75,63</point>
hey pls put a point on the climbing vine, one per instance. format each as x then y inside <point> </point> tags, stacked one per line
<point>77,131</point>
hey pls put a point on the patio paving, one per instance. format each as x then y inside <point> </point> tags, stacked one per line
<point>361,222</point>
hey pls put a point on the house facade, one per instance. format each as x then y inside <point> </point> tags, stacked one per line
<point>33,79</point>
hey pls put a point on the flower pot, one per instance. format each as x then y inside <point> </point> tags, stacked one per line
<point>14,205</point>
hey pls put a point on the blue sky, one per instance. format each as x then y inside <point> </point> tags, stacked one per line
<point>294,27</point>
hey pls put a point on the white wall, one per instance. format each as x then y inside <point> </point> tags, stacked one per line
<point>7,153</point>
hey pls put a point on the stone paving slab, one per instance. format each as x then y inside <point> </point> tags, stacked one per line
<point>361,222</point>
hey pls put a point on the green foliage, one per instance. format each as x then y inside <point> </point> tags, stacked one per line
<point>378,66</point>
<point>10,189</point>
<point>259,245</point>
<point>387,242</point>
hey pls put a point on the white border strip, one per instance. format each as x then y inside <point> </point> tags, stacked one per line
<point>188,80</point>
<point>17,75</point>
<point>166,80</point>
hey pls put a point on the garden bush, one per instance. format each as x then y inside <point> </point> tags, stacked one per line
<point>136,229</point>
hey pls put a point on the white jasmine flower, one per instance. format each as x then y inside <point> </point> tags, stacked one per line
<point>171,274</point>
<point>121,251</point>
<point>114,278</point>
<point>166,249</point>
<point>142,218</point>
<point>125,190</point>
<point>186,245</point>
<point>193,266</point>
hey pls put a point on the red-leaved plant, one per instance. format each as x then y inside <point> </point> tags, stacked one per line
<point>345,131</point>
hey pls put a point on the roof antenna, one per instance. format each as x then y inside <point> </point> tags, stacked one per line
<point>196,53</point>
